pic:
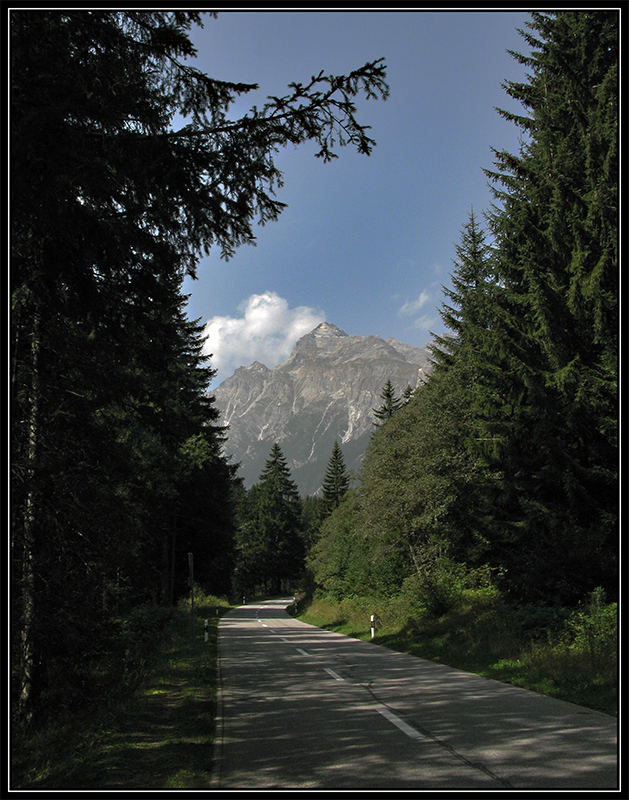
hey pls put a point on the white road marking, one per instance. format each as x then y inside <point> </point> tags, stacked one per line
<point>403,726</point>
<point>333,674</point>
<point>303,652</point>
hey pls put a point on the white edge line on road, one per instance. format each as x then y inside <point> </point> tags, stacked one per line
<point>333,674</point>
<point>303,652</point>
<point>403,726</point>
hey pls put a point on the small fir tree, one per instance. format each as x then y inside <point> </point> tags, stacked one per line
<point>336,480</point>
<point>391,404</point>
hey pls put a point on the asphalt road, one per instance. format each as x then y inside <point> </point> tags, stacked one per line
<point>304,708</point>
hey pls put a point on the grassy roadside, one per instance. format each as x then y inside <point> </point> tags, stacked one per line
<point>160,737</point>
<point>570,656</point>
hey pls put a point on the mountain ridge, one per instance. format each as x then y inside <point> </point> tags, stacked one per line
<point>324,391</point>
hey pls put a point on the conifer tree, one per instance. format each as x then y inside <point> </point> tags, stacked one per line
<point>555,227</point>
<point>407,393</point>
<point>469,350</point>
<point>508,456</point>
<point>278,516</point>
<point>473,285</point>
<point>391,404</point>
<point>112,204</point>
<point>336,480</point>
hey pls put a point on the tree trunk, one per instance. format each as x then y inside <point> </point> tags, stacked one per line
<point>25,539</point>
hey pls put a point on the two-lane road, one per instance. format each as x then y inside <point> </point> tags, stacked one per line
<point>303,708</point>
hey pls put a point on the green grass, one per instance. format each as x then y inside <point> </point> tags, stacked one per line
<point>570,656</point>
<point>160,737</point>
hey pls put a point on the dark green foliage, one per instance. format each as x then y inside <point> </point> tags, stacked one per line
<point>270,544</point>
<point>407,393</point>
<point>335,481</point>
<point>557,310</point>
<point>505,462</point>
<point>204,522</point>
<point>391,403</point>
<point>470,318</point>
<point>537,375</point>
<point>116,445</point>
<point>312,513</point>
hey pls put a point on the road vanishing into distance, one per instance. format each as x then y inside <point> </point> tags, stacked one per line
<point>305,708</point>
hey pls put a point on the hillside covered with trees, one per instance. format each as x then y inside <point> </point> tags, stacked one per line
<point>503,469</point>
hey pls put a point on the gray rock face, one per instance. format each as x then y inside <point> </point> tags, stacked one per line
<point>326,390</point>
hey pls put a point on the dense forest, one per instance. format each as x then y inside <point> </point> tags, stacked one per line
<point>118,470</point>
<point>502,469</point>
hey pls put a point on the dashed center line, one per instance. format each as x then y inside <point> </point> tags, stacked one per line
<point>403,726</point>
<point>411,732</point>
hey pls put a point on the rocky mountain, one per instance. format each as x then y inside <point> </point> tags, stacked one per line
<point>326,390</point>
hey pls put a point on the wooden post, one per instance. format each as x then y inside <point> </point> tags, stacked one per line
<point>191,580</point>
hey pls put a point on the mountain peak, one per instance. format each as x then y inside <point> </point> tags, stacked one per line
<point>326,337</point>
<point>328,329</point>
<point>325,391</point>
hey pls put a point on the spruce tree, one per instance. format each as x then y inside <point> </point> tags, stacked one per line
<point>112,204</point>
<point>278,516</point>
<point>470,348</point>
<point>473,285</point>
<point>391,403</point>
<point>508,456</point>
<point>336,480</point>
<point>555,226</point>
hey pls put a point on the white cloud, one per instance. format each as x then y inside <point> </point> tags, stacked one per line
<point>412,306</point>
<point>427,322</point>
<point>424,310</point>
<point>267,331</point>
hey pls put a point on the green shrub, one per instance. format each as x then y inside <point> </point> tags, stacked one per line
<point>440,589</point>
<point>593,632</point>
<point>139,634</point>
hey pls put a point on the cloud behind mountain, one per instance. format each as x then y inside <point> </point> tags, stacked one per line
<point>266,331</point>
<point>325,391</point>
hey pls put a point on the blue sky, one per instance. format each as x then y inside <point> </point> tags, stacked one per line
<point>366,242</point>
